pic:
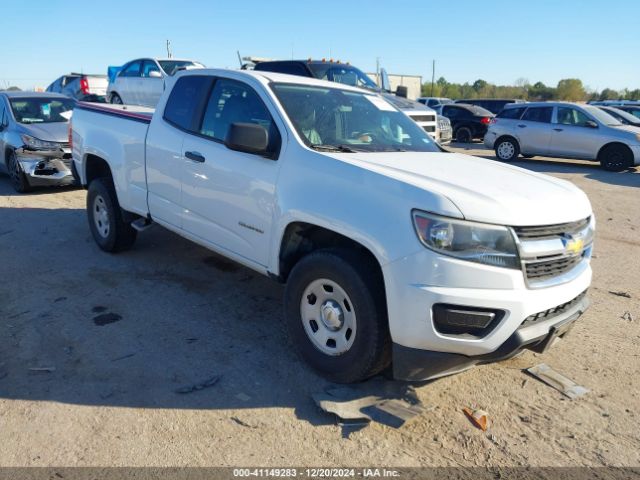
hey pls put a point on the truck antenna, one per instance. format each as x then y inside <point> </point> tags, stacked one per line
<point>169,55</point>
<point>239,58</point>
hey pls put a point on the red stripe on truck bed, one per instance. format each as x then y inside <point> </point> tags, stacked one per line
<point>96,107</point>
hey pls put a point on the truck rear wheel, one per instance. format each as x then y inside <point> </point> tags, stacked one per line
<point>336,315</point>
<point>110,232</point>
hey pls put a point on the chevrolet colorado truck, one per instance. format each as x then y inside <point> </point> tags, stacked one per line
<point>394,252</point>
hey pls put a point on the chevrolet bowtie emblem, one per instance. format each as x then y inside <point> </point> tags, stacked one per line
<point>573,244</point>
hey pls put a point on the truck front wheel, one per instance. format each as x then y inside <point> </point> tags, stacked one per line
<point>109,230</point>
<point>336,315</point>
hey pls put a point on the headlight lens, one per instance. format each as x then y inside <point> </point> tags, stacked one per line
<point>474,242</point>
<point>37,144</point>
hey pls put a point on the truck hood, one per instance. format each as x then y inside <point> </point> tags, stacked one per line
<point>49,132</point>
<point>483,190</point>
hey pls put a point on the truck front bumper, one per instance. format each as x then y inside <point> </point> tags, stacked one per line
<point>417,283</point>
<point>413,364</point>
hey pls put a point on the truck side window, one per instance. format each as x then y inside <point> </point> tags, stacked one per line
<point>232,102</point>
<point>185,98</point>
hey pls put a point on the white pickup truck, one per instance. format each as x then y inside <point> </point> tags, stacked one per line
<point>394,252</point>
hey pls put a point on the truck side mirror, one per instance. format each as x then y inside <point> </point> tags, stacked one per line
<point>591,124</point>
<point>402,91</point>
<point>247,137</point>
<point>155,74</point>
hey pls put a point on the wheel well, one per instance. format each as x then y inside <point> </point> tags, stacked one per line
<point>614,144</point>
<point>301,238</point>
<point>96,167</point>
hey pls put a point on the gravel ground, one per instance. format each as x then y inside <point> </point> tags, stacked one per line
<point>116,335</point>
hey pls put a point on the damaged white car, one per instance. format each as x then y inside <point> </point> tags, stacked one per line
<point>34,141</point>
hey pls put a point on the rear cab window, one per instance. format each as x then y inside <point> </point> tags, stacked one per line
<point>186,96</point>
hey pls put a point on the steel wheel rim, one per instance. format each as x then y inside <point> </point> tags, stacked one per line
<point>101,218</point>
<point>506,150</point>
<point>328,317</point>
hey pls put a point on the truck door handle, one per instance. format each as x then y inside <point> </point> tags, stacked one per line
<point>522,126</point>
<point>195,156</point>
<point>558,129</point>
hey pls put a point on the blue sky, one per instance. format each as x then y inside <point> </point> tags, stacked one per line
<point>496,40</point>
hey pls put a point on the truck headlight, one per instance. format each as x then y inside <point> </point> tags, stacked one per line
<point>471,241</point>
<point>37,144</point>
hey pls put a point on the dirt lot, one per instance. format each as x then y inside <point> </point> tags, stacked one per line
<point>181,314</point>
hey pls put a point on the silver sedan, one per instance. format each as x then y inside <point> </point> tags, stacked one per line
<point>34,139</point>
<point>565,130</point>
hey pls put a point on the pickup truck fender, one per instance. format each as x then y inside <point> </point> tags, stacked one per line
<point>363,205</point>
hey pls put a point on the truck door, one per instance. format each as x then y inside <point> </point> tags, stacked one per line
<point>229,196</point>
<point>164,160</point>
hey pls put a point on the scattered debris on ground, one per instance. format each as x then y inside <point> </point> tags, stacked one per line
<point>620,294</point>
<point>387,402</point>
<point>479,418</point>
<point>42,369</point>
<point>627,316</point>
<point>199,386</point>
<point>129,355</point>
<point>242,423</point>
<point>106,318</point>
<point>561,383</point>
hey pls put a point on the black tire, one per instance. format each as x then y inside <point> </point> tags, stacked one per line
<point>359,277</point>
<point>615,158</point>
<point>115,99</point>
<point>110,232</point>
<point>18,178</point>
<point>464,135</point>
<point>507,149</point>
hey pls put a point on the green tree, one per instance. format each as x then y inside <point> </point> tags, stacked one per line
<point>571,89</point>
<point>609,94</point>
<point>633,94</point>
<point>480,85</point>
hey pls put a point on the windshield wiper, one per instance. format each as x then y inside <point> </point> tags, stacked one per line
<point>333,148</point>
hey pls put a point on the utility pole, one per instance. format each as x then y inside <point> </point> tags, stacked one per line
<point>169,49</point>
<point>433,75</point>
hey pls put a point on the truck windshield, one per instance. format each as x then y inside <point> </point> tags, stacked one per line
<point>341,120</point>
<point>172,66</point>
<point>41,110</point>
<point>345,74</point>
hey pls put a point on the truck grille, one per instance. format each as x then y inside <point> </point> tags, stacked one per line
<point>551,251</point>
<point>548,231</point>
<point>551,268</point>
<point>552,312</point>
